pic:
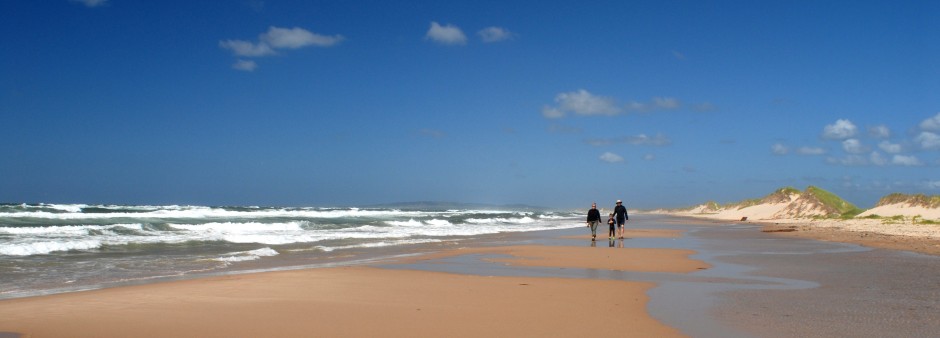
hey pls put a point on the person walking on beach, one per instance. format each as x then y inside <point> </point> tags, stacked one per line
<point>611,223</point>
<point>593,219</point>
<point>620,212</point>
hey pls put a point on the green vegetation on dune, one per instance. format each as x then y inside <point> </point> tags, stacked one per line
<point>843,208</point>
<point>815,199</point>
<point>914,200</point>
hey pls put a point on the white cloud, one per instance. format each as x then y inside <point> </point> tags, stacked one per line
<point>494,34</point>
<point>584,103</point>
<point>272,40</point>
<point>779,149</point>
<point>247,48</point>
<point>841,129</point>
<point>879,131</point>
<point>447,35</point>
<point>649,157</point>
<point>932,123</point>
<point>92,3</point>
<point>246,65</point>
<point>854,146</point>
<point>928,140</point>
<point>610,157</point>
<point>890,148</point>
<point>906,160</point>
<point>552,112</point>
<point>811,151</point>
<point>293,38</point>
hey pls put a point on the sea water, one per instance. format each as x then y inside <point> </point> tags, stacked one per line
<point>48,248</point>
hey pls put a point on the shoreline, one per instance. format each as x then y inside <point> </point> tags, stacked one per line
<point>874,233</point>
<point>370,300</point>
<point>738,282</point>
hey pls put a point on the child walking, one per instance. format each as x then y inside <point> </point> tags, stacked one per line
<point>612,224</point>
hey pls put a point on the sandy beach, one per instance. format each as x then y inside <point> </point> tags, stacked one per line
<point>369,301</point>
<point>896,226</point>
<point>693,278</point>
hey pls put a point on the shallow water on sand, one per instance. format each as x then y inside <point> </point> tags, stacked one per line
<point>760,285</point>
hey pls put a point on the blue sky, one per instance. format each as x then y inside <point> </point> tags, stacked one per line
<point>555,103</point>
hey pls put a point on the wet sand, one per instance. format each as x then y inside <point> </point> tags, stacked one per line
<point>369,301</point>
<point>349,301</point>
<point>852,291</point>
<point>706,279</point>
<point>926,245</point>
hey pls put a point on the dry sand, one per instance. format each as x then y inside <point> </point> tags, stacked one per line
<point>366,301</point>
<point>899,234</point>
<point>858,232</point>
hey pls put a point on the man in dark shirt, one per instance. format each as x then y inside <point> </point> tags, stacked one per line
<point>593,219</point>
<point>620,214</point>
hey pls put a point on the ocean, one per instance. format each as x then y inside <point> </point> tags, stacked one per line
<point>52,248</point>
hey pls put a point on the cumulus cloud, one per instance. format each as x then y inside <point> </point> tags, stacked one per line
<point>779,149</point>
<point>494,34</point>
<point>649,157</point>
<point>275,38</point>
<point>584,103</point>
<point>928,140</point>
<point>890,148</point>
<point>293,38</point>
<point>906,160</point>
<point>279,38</point>
<point>854,146</point>
<point>92,3</point>
<point>610,157</point>
<point>446,35</point>
<point>246,65</point>
<point>879,131</point>
<point>932,123</point>
<point>841,129</point>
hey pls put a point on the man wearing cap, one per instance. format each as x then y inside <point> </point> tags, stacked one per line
<point>620,214</point>
<point>593,219</point>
